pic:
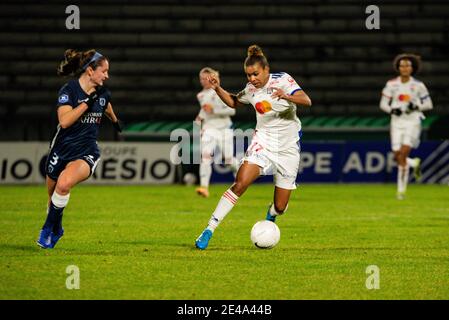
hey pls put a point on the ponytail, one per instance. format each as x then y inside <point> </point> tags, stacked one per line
<point>76,62</point>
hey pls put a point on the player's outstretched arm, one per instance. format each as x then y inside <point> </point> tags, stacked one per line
<point>229,99</point>
<point>299,97</point>
<point>111,115</point>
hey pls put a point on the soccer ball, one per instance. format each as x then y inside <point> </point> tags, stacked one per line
<point>189,179</point>
<point>265,234</point>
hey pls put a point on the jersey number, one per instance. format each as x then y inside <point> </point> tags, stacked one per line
<point>55,160</point>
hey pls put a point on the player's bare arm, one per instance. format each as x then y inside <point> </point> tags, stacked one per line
<point>229,99</point>
<point>110,113</point>
<point>299,97</point>
<point>118,125</point>
<point>67,115</point>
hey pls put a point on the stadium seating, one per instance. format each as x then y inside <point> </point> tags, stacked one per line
<point>157,48</point>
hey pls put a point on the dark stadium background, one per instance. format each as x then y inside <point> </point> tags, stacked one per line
<point>156,49</point>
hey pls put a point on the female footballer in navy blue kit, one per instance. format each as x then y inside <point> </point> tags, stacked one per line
<point>74,152</point>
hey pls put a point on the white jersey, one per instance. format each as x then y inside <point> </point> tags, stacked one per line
<point>220,116</point>
<point>277,126</point>
<point>401,94</point>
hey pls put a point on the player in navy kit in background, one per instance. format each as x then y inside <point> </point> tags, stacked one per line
<point>74,152</point>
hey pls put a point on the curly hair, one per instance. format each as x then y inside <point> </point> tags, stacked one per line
<point>413,58</point>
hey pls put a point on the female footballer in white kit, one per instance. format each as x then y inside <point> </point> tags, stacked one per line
<point>405,98</point>
<point>275,146</point>
<point>216,133</point>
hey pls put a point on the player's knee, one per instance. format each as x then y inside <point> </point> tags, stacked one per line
<point>64,185</point>
<point>63,189</point>
<point>399,157</point>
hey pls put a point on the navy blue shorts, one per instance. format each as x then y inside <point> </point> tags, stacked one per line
<point>55,164</point>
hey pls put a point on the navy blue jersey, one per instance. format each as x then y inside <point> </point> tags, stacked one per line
<point>80,137</point>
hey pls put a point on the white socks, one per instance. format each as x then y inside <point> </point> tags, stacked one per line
<point>205,173</point>
<point>273,211</point>
<point>402,178</point>
<point>59,200</point>
<point>225,205</point>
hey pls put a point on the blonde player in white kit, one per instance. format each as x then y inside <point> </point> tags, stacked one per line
<point>404,97</point>
<point>275,146</point>
<point>216,133</point>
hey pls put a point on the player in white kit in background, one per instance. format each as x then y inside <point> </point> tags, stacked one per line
<point>405,98</point>
<point>274,148</point>
<point>216,131</point>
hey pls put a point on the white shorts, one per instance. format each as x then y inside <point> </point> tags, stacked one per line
<point>405,135</point>
<point>284,165</point>
<point>213,139</point>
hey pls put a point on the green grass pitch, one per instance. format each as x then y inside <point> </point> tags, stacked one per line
<point>137,242</point>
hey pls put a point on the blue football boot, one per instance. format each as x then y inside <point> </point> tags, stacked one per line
<point>203,240</point>
<point>44,240</point>
<point>55,237</point>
